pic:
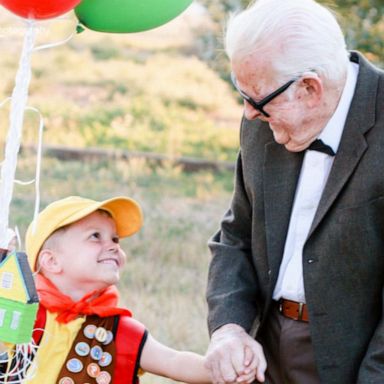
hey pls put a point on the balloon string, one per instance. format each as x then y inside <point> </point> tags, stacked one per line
<point>38,168</point>
<point>5,101</point>
<point>18,237</point>
<point>24,183</point>
<point>16,117</point>
<point>57,43</point>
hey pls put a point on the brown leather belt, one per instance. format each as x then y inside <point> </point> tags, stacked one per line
<point>293,310</point>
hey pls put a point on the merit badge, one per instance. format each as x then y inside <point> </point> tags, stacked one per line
<point>109,338</point>
<point>66,380</point>
<point>74,365</point>
<point>93,370</point>
<point>101,334</point>
<point>82,348</point>
<point>96,352</point>
<point>89,331</point>
<point>103,378</point>
<point>105,360</point>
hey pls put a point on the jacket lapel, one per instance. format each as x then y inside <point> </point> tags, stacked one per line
<point>281,172</point>
<point>361,118</point>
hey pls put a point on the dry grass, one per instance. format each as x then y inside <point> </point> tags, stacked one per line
<point>146,91</point>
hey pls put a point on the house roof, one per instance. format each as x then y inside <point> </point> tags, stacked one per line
<point>28,277</point>
<point>17,278</point>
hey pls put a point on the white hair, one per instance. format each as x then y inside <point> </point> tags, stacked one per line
<point>296,36</point>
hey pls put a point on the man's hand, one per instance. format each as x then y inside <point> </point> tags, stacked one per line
<point>234,356</point>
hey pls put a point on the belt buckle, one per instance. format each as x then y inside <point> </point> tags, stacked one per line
<point>300,314</point>
<point>299,308</point>
<point>280,305</point>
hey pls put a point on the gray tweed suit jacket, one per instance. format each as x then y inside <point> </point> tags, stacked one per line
<point>343,257</point>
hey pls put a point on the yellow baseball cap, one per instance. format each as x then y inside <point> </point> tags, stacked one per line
<point>126,213</point>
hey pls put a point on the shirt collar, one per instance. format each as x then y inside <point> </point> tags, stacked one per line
<point>331,134</point>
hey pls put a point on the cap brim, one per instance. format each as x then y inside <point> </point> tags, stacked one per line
<point>126,213</point>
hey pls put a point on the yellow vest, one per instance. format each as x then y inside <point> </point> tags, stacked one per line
<point>57,340</point>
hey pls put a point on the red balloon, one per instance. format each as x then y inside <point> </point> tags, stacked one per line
<point>39,9</point>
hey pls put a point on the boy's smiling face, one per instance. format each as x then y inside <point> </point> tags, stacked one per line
<point>85,256</point>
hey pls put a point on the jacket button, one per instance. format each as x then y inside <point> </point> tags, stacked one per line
<point>310,261</point>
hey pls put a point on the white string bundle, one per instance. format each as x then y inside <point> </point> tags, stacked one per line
<point>22,363</point>
<point>16,117</point>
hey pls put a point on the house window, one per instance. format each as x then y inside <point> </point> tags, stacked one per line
<point>15,320</point>
<point>2,316</point>
<point>6,280</point>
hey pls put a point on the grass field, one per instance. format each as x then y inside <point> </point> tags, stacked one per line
<point>165,278</point>
<point>146,91</point>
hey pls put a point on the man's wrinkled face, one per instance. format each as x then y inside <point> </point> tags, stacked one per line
<point>289,117</point>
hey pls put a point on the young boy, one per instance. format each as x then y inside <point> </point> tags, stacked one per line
<point>74,247</point>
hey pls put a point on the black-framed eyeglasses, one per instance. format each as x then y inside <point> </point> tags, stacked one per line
<point>259,105</point>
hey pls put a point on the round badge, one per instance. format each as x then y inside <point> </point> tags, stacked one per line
<point>82,348</point>
<point>96,352</point>
<point>103,378</point>
<point>101,334</point>
<point>89,331</point>
<point>66,380</point>
<point>109,338</point>
<point>105,360</point>
<point>74,365</point>
<point>93,370</point>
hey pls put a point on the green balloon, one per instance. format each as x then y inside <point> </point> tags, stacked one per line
<point>122,16</point>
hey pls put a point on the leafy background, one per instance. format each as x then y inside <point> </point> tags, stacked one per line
<point>164,91</point>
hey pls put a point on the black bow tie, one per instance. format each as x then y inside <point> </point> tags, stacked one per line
<point>319,146</point>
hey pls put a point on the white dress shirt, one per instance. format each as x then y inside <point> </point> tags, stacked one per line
<point>313,177</point>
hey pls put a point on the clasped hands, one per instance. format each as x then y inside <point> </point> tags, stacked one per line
<point>235,357</point>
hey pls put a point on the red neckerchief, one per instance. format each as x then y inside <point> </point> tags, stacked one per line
<point>102,303</point>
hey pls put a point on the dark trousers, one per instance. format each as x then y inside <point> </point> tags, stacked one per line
<point>288,350</point>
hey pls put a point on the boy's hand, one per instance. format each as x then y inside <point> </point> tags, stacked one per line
<point>250,367</point>
<point>234,355</point>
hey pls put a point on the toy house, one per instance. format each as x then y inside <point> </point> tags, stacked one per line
<point>18,299</point>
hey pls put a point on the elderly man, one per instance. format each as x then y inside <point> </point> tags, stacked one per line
<point>300,251</point>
